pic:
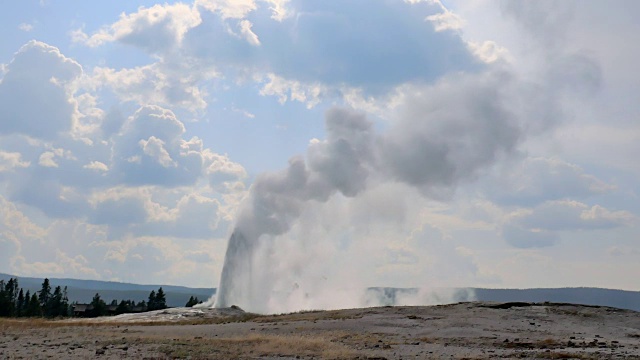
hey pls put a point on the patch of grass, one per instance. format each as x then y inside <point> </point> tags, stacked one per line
<point>427,340</point>
<point>548,343</point>
<point>37,323</point>
<point>313,315</point>
<point>565,355</point>
<point>570,312</point>
<point>42,323</point>
<point>356,339</point>
<point>258,345</point>
<point>540,344</point>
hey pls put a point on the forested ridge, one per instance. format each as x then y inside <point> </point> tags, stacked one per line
<point>52,302</point>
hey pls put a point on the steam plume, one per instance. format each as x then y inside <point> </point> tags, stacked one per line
<point>444,134</point>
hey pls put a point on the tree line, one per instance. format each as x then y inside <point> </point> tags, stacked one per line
<point>15,302</point>
<point>98,307</point>
<point>193,301</point>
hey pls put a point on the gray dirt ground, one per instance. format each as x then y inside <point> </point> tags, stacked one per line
<point>459,331</point>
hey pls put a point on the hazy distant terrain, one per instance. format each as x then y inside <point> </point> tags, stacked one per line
<point>83,291</point>
<point>583,295</point>
<point>588,296</point>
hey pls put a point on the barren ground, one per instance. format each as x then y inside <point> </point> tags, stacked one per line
<point>459,331</point>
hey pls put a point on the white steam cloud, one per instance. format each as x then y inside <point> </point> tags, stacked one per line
<point>293,246</point>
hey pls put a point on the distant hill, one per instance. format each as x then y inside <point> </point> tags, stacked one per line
<point>587,296</point>
<point>83,291</point>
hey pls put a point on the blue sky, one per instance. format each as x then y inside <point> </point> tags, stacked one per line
<point>482,143</point>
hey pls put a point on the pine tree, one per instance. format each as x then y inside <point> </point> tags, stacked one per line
<point>193,301</point>
<point>123,307</point>
<point>65,303</point>
<point>4,300</point>
<point>44,294</point>
<point>99,306</point>
<point>34,309</point>
<point>161,300</point>
<point>20,304</point>
<point>11,296</point>
<point>54,306</point>
<point>151,304</point>
<point>27,300</point>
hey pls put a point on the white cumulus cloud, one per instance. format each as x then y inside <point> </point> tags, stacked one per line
<point>11,160</point>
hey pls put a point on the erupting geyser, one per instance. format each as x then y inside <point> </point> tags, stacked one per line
<point>237,256</point>
<point>339,164</point>
<point>444,134</point>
